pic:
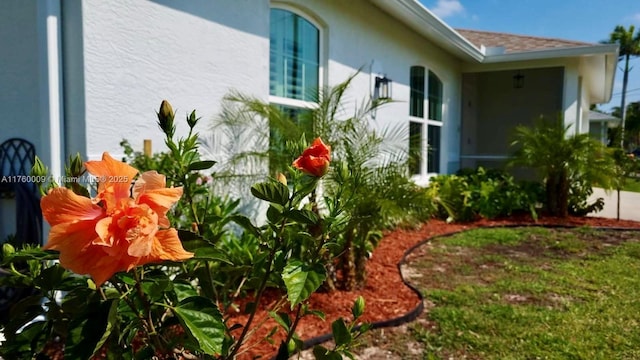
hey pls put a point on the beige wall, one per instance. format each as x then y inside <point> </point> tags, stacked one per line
<point>492,107</point>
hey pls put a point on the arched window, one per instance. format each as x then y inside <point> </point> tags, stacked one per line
<point>294,60</point>
<point>424,133</point>
<point>294,76</point>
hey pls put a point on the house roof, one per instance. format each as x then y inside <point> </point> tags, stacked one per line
<point>477,48</point>
<point>512,43</point>
<point>598,116</point>
<point>487,47</point>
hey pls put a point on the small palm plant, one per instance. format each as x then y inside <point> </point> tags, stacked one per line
<point>369,179</point>
<point>568,164</point>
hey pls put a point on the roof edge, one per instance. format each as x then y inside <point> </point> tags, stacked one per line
<point>423,21</point>
<point>596,49</point>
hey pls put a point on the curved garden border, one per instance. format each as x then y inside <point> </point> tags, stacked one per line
<point>419,309</point>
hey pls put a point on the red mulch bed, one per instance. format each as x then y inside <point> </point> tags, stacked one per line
<point>385,294</point>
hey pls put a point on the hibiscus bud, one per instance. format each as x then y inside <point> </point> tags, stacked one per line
<point>8,249</point>
<point>165,118</point>
<point>315,159</point>
<point>282,179</point>
<point>344,170</point>
<point>217,210</point>
<point>192,120</point>
<point>39,170</point>
<point>75,166</point>
<point>358,307</point>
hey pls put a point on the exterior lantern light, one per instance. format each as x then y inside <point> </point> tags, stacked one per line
<point>518,80</point>
<point>382,87</point>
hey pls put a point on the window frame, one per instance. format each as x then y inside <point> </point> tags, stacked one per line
<point>426,122</point>
<point>297,103</point>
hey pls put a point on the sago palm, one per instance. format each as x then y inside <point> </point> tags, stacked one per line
<point>562,161</point>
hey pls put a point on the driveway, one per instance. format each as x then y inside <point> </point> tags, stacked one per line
<point>629,204</point>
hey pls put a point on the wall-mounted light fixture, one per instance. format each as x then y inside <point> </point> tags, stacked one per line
<point>382,87</point>
<point>518,80</point>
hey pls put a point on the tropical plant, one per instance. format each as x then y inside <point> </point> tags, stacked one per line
<point>629,46</point>
<point>482,193</point>
<point>369,179</point>
<point>568,165</point>
<point>151,290</point>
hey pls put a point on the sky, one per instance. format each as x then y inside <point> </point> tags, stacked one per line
<point>581,20</point>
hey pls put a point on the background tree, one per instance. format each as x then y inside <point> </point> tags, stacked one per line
<point>633,123</point>
<point>629,46</point>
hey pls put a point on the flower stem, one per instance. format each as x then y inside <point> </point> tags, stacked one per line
<point>263,286</point>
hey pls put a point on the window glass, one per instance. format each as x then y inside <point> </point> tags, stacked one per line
<point>435,97</point>
<point>295,122</point>
<point>294,56</point>
<point>433,157</point>
<point>415,147</point>
<point>416,97</point>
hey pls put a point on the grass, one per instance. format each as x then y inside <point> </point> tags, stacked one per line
<point>632,184</point>
<point>526,293</point>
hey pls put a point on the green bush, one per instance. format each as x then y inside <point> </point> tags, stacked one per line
<point>482,193</point>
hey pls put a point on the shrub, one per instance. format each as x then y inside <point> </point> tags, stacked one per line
<point>482,193</point>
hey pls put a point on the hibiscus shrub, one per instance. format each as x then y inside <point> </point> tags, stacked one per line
<point>151,289</point>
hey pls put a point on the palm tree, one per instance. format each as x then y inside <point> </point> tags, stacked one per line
<point>568,165</point>
<point>629,46</point>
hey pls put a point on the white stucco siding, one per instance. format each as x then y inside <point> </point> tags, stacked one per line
<point>571,101</point>
<point>361,36</point>
<point>137,53</point>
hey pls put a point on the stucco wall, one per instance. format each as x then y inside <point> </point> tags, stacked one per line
<point>137,53</point>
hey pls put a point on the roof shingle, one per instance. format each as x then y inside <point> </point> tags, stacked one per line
<point>516,43</point>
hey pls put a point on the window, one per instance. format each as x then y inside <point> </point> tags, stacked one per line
<point>294,56</point>
<point>435,97</point>
<point>294,80</point>
<point>417,92</point>
<point>424,133</point>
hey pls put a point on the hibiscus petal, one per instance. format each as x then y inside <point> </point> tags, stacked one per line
<point>114,178</point>
<point>167,246</point>
<point>318,148</point>
<point>77,254</point>
<point>105,237</point>
<point>149,180</point>
<point>62,205</point>
<point>160,200</point>
<point>104,268</point>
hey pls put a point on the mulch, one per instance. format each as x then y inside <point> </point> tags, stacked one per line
<point>386,296</point>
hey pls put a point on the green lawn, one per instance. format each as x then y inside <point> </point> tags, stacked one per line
<point>633,184</point>
<point>526,293</point>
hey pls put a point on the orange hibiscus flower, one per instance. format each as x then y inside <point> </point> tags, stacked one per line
<point>314,159</point>
<point>117,230</point>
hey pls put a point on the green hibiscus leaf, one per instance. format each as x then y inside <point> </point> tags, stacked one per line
<point>341,333</point>
<point>303,216</point>
<point>201,165</point>
<point>302,280</point>
<point>273,192</point>
<point>203,321</point>
<point>246,224</point>
<point>89,332</point>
